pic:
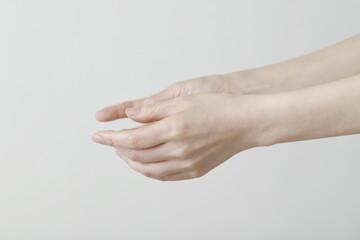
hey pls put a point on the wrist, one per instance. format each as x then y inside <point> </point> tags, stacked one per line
<point>286,117</point>
<point>252,81</point>
<point>274,120</point>
<point>255,123</point>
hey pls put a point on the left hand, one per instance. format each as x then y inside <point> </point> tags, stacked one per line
<point>227,83</point>
<point>188,135</point>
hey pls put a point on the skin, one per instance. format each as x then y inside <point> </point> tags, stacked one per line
<point>195,125</point>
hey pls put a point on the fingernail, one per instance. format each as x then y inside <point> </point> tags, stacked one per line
<point>132,111</point>
<point>98,139</point>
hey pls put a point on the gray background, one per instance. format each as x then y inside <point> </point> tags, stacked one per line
<point>60,61</point>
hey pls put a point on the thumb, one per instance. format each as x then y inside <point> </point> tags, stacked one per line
<point>152,112</point>
<point>116,111</point>
<point>168,93</point>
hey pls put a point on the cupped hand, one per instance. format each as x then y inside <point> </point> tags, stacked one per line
<point>208,84</point>
<point>188,135</point>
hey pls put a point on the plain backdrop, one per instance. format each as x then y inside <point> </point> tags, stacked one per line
<point>61,61</point>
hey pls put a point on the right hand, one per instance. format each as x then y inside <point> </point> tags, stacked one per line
<point>189,135</point>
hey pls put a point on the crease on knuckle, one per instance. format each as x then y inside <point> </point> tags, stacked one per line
<point>112,142</point>
<point>133,166</point>
<point>149,101</point>
<point>177,85</point>
<point>132,141</point>
<point>119,152</point>
<point>148,111</point>
<point>132,154</point>
<point>196,173</point>
<point>146,172</point>
<point>162,179</point>
<point>115,143</point>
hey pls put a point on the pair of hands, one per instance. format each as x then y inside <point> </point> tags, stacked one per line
<point>189,128</point>
<point>195,125</point>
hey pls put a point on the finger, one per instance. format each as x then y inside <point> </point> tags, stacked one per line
<point>116,111</point>
<point>168,93</point>
<point>153,154</point>
<point>156,169</point>
<point>178,176</point>
<point>139,138</point>
<point>122,156</point>
<point>154,112</point>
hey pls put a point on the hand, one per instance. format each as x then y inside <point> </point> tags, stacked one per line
<point>209,84</point>
<point>189,135</point>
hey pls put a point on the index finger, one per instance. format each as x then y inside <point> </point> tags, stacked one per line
<point>117,111</point>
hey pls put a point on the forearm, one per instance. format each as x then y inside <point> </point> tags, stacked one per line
<point>326,110</point>
<point>335,62</point>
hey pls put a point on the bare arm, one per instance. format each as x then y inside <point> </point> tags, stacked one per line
<point>198,124</point>
<point>335,62</point>
<point>332,63</point>
<point>326,110</point>
<point>191,135</point>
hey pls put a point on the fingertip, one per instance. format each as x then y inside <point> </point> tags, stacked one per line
<point>101,116</point>
<point>98,116</point>
<point>103,137</point>
<point>107,114</point>
<point>116,111</point>
<point>104,133</point>
<point>98,139</point>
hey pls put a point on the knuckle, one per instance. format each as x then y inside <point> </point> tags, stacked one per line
<point>177,153</point>
<point>196,173</point>
<point>111,139</point>
<point>149,100</point>
<point>133,166</point>
<point>119,152</point>
<point>166,125</point>
<point>178,129</point>
<point>112,142</point>
<point>162,179</point>
<point>132,141</point>
<point>132,154</point>
<point>148,111</point>
<point>142,169</point>
<point>182,126</point>
<point>182,152</point>
<point>146,172</point>
<point>188,165</point>
<point>178,84</point>
<point>177,89</point>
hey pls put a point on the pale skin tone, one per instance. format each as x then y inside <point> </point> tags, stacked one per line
<point>195,125</point>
